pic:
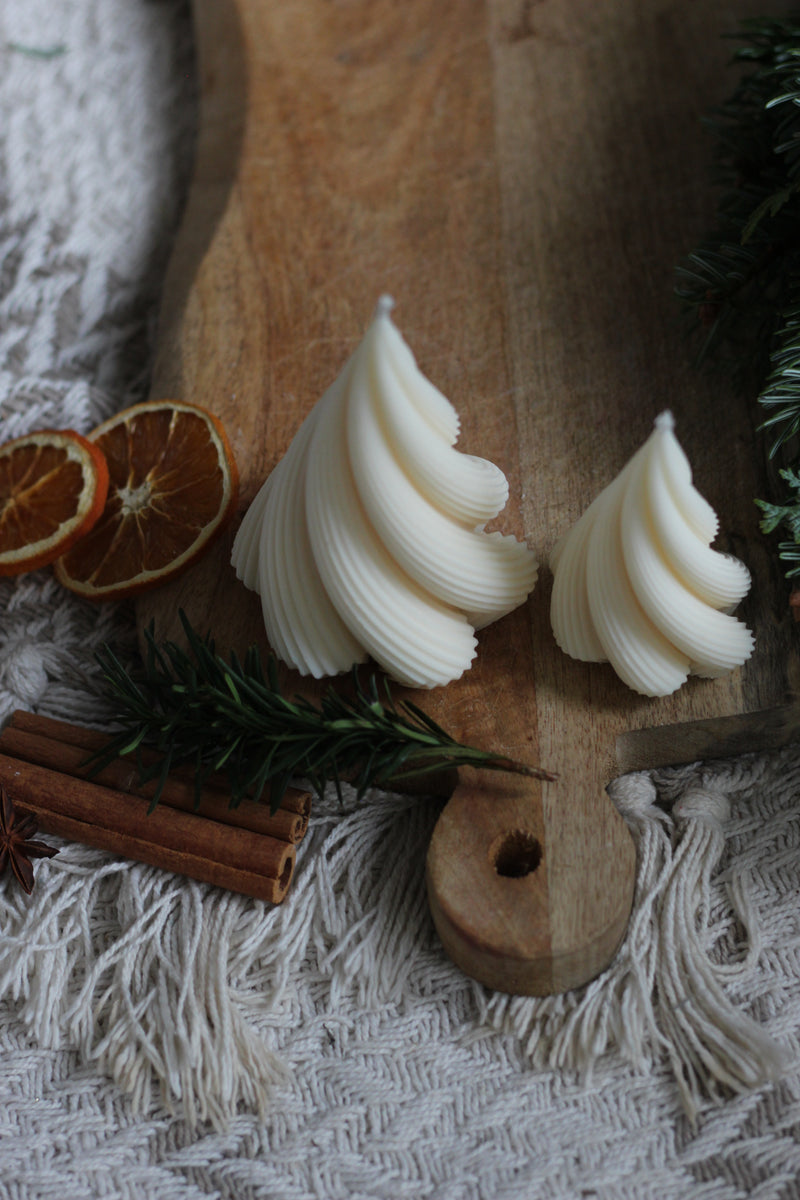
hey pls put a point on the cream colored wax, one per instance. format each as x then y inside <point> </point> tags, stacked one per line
<point>367,539</point>
<point>637,584</point>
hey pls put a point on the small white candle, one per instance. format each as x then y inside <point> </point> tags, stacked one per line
<point>367,539</point>
<point>637,584</point>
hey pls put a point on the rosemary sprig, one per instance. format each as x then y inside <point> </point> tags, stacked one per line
<point>232,717</point>
<point>741,286</point>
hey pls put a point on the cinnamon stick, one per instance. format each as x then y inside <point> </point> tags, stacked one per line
<point>187,843</point>
<point>65,747</point>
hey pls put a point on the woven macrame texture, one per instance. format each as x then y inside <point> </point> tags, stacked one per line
<point>165,1039</point>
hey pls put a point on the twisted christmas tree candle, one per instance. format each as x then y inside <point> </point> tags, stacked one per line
<point>637,584</point>
<point>367,539</point>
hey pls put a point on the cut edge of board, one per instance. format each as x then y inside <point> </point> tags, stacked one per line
<point>713,738</point>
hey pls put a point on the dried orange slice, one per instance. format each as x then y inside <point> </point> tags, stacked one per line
<point>53,486</point>
<point>173,485</point>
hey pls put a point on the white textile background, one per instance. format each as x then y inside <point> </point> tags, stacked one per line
<point>392,1075</point>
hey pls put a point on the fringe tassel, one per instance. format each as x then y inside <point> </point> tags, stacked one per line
<point>177,990</point>
<point>713,1048</point>
<point>132,967</point>
<point>180,991</point>
<point>663,994</point>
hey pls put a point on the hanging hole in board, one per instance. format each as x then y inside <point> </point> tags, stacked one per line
<point>516,854</point>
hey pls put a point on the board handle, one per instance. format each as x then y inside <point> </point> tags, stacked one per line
<point>509,914</point>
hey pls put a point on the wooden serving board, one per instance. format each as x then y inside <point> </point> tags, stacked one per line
<point>522,177</point>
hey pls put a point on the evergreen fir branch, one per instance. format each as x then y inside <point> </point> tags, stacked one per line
<point>741,286</point>
<point>780,396</point>
<point>785,516</point>
<point>232,717</point>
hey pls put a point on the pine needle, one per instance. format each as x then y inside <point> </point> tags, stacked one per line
<point>232,717</point>
<point>741,286</point>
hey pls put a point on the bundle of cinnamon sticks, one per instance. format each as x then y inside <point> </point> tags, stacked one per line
<point>44,766</point>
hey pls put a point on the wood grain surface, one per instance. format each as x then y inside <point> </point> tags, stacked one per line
<point>522,177</point>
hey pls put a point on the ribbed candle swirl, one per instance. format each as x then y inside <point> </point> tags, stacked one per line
<point>367,538</point>
<point>637,584</point>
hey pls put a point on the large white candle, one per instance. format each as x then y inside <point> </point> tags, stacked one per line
<point>367,539</point>
<point>637,584</point>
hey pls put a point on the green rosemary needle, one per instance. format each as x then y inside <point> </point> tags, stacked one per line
<point>231,717</point>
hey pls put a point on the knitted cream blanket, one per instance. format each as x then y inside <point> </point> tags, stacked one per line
<point>162,1038</point>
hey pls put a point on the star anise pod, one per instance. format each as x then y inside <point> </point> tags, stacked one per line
<point>17,846</point>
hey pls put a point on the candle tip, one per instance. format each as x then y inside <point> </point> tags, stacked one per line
<point>665,422</point>
<point>384,306</point>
